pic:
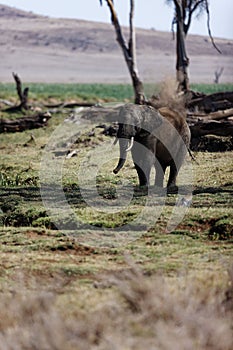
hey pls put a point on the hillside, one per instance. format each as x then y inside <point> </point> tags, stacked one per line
<point>43,49</point>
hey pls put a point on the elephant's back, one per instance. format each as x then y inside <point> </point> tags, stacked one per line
<point>178,120</point>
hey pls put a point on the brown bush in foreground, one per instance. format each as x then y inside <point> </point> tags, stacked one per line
<point>142,313</point>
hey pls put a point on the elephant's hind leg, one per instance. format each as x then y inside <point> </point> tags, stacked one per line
<point>171,186</point>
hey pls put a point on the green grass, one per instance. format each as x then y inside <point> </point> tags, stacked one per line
<point>64,92</point>
<point>212,88</point>
<point>94,92</point>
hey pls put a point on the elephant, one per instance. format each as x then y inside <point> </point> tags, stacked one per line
<point>157,138</point>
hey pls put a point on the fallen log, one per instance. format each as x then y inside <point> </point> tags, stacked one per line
<point>70,105</point>
<point>26,123</point>
<point>212,102</point>
<point>191,116</point>
<point>223,128</point>
<point>220,96</point>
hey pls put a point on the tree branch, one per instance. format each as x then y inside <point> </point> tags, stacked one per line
<point>208,26</point>
<point>129,51</point>
<point>132,33</point>
<point>120,37</point>
<point>18,86</point>
<point>191,11</point>
<point>177,2</point>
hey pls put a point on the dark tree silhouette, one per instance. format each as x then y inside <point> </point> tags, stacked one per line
<point>185,10</point>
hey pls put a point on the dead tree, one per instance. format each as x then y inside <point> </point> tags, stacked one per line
<point>184,12</point>
<point>22,94</point>
<point>129,50</point>
<point>218,74</point>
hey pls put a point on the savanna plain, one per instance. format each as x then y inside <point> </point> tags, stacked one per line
<point>161,290</point>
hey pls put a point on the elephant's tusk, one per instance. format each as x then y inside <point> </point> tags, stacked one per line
<point>130,145</point>
<point>115,141</point>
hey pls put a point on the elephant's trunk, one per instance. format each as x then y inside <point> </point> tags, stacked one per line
<point>131,144</point>
<point>119,165</point>
<point>124,148</point>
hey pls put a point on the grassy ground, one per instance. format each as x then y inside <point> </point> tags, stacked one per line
<point>57,293</point>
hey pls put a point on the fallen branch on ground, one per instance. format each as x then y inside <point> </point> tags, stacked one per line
<point>224,128</point>
<point>191,116</point>
<point>70,105</point>
<point>212,102</point>
<point>20,124</point>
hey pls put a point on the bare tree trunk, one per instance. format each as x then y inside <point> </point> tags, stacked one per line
<point>182,60</point>
<point>129,51</point>
<point>137,83</point>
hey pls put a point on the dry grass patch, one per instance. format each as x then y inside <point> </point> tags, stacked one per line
<point>124,310</point>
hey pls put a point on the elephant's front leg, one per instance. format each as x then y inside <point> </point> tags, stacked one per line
<point>143,160</point>
<point>159,173</point>
<point>143,175</point>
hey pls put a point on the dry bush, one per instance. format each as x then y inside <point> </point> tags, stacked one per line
<point>142,313</point>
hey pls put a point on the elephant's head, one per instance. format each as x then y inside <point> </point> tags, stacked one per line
<point>133,119</point>
<point>125,136</point>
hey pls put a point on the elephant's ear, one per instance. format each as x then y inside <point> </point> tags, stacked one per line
<point>122,114</point>
<point>152,119</point>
